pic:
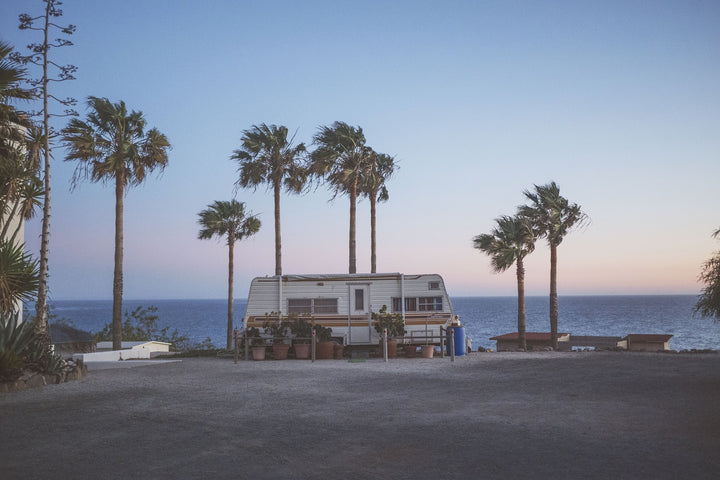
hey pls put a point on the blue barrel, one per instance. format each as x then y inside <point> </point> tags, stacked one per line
<point>459,341</point>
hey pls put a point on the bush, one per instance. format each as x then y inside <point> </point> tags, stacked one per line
<point>11,366</point>
<point>21,349</point>
<point>393,322</point>
<point>323,334</point>
<point>300,326</point>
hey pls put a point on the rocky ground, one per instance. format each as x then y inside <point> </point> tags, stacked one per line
<point>488,415</point>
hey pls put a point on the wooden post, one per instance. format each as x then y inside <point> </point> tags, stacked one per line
<point>312,349</point>
<point>247,344</point>
<point>235,338</point>
<point>384,344</point>
<point>452,344</point>
<point>443,334</point>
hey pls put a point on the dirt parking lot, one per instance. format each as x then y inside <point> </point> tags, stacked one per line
<point>489,415</point>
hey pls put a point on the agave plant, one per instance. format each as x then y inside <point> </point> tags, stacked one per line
<point>15,336</point>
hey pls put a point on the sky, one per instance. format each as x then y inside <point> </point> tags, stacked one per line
<point>616,101</point>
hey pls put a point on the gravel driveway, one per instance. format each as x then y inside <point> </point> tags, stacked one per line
<point>489,415</point>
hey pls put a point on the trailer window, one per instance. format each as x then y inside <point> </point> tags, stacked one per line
<point>430,304</point>
<point>299,305</point>
<point>325,305</point>
<point>312,305</point>
<point>410,304</point>
<point>359,299</point>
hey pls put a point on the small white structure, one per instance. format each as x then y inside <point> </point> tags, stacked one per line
<point>344,302</point>
<point>152,346</point>
<point>130,351</point>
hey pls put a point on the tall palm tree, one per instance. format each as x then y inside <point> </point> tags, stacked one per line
<point>510,242</point>
<point>112,144</point>
<point>341,158</point>
<point>268,156</point>
<point>380,168</point>
<point>554,217</point>
<point>229,220</point>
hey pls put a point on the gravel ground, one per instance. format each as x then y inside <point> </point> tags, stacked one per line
<point>491,415</point>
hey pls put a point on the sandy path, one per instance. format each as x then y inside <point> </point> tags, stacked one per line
<point>498,415</point>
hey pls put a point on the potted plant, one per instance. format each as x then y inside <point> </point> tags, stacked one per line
<point>324,347</point>
<point>301,329</point>
<point>395,326</point>
<point>277,329</point>
<point>256,342</point>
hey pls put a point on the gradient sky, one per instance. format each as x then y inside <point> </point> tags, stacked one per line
<point>617,101</point>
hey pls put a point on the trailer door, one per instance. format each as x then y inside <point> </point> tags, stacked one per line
<point>359,313</point>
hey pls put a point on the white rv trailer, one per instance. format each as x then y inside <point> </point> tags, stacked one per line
<point>344,302</point>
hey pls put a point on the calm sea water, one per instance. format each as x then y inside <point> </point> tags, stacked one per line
<point>484,317</point>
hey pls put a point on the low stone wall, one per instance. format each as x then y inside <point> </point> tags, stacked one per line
<point>33,379</point>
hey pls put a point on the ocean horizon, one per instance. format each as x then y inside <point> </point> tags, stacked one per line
<point>483,317</point>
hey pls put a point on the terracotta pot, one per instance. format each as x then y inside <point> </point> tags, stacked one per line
<point>324,350</point>
<point>280,351</point>
<point>391,348</point>
<point>258,353</point>
<point>427,351</point>
<point>302,351</point>
<point>410,351</point>
<point>338,351</point>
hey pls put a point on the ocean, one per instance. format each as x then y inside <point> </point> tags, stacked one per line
<point>483,317</point>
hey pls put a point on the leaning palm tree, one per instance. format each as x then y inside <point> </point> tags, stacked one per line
<point>20,186</point>
<point>112,145</point>
<point>341,158</point>
<point>380,168</point>
<point>510,242</point>
<point>19,277</point>
<point>229,220</point>
<point>553,216</point>
<point>268,156</point>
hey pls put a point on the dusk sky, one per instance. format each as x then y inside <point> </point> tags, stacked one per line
<point>616,101</point>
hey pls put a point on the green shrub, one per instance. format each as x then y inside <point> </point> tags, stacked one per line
<point>323,334</point>
<point>11,366</point>
<point>393,322</point>
<point>300,326</point>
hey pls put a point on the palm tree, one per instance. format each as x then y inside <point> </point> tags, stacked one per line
<point>268,156</point>
<point>510,242</point>
<point>553,216</point>
<point>20,187</point>
<point>228,219</point>
<point>113,145</point>
<point>380,168</point>
<point>19,277</point>
<point>341,159</point>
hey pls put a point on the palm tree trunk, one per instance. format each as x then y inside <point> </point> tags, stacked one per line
<point>553,297</point>
<point>353,202</point>
<point>10,216</point>
<point>521,303</point>
<point>373,233</point>
<point>278,242</point>
<point>118,274</point>
<point>231,268</point>
<point>41,310</point>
